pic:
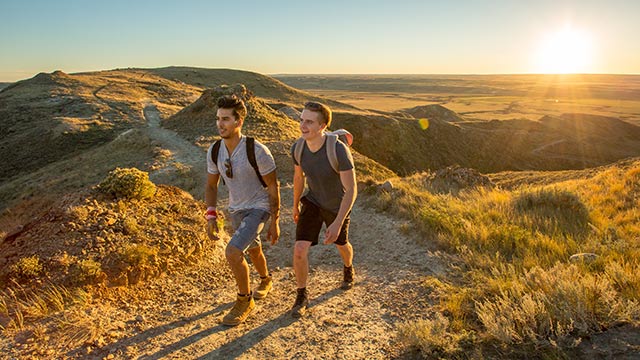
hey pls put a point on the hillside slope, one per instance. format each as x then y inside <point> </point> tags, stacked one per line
<point>51,117</point>
<point>572,141</point>
<point>266,87</point>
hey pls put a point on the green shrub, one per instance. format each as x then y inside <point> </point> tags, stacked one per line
<point>86,271</point>
<point>128,183</point>
<point>27,267</point>
<point>552,210</point>
<point>140,254</point>
<point>432,336</point>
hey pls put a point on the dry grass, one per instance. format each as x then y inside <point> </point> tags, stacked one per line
<point>21,305</point>
<point>520,289</point>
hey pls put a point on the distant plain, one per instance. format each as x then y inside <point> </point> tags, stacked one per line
<point>483,97</point>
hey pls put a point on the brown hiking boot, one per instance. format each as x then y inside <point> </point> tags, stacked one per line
<point>263,289</point>
<point>243,307</point>
<point>347,279</point>
<point>301,304</point>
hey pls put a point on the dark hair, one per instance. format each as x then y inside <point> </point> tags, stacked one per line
<point>235,103</point>
<point>322,109</point>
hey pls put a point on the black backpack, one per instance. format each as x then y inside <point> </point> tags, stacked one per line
<point>251,155</point>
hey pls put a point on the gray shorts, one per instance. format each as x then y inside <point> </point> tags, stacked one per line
<point>247,224</point>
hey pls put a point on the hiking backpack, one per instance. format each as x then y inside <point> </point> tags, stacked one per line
<point>251,155</point>
<point>332,139</point>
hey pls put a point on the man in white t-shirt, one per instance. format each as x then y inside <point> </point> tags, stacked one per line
<point>250,203</point>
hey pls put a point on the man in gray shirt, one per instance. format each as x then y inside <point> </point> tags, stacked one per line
<point>329,200</point>
<point>250,203</point>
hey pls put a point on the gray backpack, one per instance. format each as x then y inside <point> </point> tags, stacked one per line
<point>332,139</point>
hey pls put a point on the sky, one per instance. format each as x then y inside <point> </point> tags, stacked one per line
<point>322,36</point>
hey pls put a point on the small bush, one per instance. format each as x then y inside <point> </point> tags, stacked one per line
<point>27,267</point>
<point>140,254</point>
<point>128,183</point>
<point>432,337</point>
<point>130,226</point>
<point>552,211</point>
<point>86,271</point>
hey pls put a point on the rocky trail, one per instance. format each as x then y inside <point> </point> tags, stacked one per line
<point>182,317</point>
<point>184,321</point>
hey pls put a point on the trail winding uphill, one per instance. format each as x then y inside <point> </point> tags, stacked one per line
<point>183,152</point>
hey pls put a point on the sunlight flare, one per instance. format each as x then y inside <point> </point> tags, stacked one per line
<point>563,52</point>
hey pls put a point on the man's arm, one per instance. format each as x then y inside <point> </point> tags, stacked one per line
<point>298,188</point>
<point>348,179</point>
<point>211,199</point>
<point>273,189</point>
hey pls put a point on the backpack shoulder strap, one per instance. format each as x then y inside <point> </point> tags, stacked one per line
<point>215,150</point>
<point>297,150</point>
<point>214,154</point>
<point>332,154</point>
<point>251,155</point>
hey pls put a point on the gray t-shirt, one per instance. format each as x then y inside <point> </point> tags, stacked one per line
<point>325,187</point>
<point>245,190</point>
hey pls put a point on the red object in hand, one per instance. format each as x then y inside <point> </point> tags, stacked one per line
<point>211,213</point>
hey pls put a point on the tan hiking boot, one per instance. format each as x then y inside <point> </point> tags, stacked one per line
<point>263,289</point>
<point>243,307</point>
<point>347,279</point>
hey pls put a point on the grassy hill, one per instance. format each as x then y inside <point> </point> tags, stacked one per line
<point>55,116</point>
<point>520,288</point>
<point>265,87</point>
<point>571,141</point>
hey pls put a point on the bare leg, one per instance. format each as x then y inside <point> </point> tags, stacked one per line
<point>346,252</point>
<point>258,260</point>
<point>239,267</point>
<point>301,262</point>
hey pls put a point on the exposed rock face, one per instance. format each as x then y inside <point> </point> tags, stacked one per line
<point>434,111</point>
<point>290,112</point>
<point>455,178</point>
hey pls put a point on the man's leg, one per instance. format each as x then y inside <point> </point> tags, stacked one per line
<point>301,262</point>
<point>239,267</point>
<point>301,269</point>
<point>248,225</point>
<point>346,253</point>
<point>260,263</point>
<point>258,260</point>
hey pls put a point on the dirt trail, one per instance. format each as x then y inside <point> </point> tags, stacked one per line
<point>179,316</point>
<point>183,151</point>
<point>183,319</point>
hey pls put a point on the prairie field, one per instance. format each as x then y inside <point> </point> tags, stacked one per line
<point>483,97</point>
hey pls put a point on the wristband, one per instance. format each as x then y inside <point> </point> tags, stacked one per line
<point>211,213</point>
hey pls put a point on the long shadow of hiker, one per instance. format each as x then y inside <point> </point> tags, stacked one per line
<point>239,345</point>
<point>153,332</point>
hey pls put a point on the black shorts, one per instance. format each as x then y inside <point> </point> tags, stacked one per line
<point>310,223</point>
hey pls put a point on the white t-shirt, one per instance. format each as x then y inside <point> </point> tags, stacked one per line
<point>245,190</point>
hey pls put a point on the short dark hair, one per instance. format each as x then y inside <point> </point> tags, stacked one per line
<point>235,103</point>
<point>322,109</point>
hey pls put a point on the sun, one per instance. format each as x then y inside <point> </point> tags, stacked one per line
<point>567,51</point>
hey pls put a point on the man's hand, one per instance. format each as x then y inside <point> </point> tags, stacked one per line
<point>212,229</point>
<point>332,232</point>
<point>296,214</point>
<point>274,232</point>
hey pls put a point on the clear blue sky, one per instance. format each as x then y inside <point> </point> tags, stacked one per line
<point>323,36</point>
